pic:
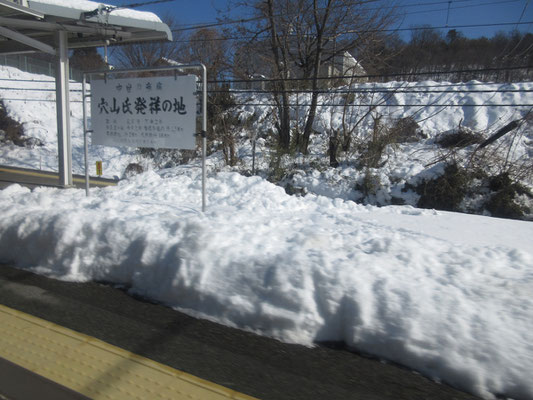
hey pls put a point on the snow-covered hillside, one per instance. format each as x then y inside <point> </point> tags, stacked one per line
<point>404,164</point>
<point>446,294</point>
<point>414,132</point>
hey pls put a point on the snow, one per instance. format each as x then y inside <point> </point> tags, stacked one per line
<point>85,5</point>
<point>36,110</point>
<point>446,294</point>
<point>405,164</point>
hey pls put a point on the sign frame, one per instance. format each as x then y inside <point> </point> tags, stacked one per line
<point>156,111</point>
<point>176,68</point>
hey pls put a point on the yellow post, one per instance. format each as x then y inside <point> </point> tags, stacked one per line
<point>99,168</point>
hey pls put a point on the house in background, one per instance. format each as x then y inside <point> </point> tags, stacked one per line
<point>344,67</point>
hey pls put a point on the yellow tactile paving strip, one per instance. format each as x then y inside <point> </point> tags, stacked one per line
<point>94,368</point>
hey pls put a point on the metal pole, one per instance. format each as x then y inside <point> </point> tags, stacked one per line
<point>85,142</point>
<point>204,135</point>
<point>63,111</point>
<point>253,153</point>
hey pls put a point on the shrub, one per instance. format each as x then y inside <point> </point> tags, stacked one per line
<point>167,158</point>
<point>462,138</point>
<point>372,150</point>
<point>406,130</point>
<point>445,192</point>
<point>402,130</point>
<point>502,203</point>
<point>369,185</point>
<point>133,169</point>
<point>13,131</point>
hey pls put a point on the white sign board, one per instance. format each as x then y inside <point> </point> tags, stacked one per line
<point>157,112</point>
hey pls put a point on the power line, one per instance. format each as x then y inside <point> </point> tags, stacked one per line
<point>383,105</point>
<point>146,3</point>
<point>245,20</point>
<point>36,89</point>
<point>257,18</point>
<point>328,105</point>
<point>414,28</point>
<point>523,12</point>
<point>466,6</point>
<point>323,91</point>
<point>39,100</point>
<point>422,28</point>
<point>392,75</point>
<point>415,83</point>
<point>52,82</point>
<point>380,105</point>
<point>370,91</point>
<point>459,84</point>
<point>412,87</point>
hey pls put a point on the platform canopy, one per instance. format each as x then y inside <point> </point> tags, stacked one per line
<point>54,27</point>
<point>31,25</point>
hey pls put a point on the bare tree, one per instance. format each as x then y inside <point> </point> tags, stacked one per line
<point>87,59</point>
<point>149,54</point>
<point>305,35</point>
<point>209,47</point>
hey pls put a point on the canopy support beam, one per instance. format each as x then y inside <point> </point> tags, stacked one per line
<point>28,41</point>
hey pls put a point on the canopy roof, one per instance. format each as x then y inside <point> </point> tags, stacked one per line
<point>31,25</point>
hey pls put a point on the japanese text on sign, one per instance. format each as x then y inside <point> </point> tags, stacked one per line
<point>157,112</point>
<point>142,105</point>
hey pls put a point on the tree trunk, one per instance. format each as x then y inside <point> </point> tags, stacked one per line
<point>281,90</point>
<point>285,124</point>
<point>304,144</point>
<point>320,27</point>
<point>333,147</point>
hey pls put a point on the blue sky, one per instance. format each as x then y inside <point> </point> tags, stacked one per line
<point>415,12</point>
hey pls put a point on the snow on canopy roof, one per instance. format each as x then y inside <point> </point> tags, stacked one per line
<point>32,24</point>
<point>73,8</point>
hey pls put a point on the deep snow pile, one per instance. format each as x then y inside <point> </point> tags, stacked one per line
<point>446,294</point>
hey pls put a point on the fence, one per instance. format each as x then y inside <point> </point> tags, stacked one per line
<point>36,66</point>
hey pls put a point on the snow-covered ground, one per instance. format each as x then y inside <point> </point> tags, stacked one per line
<point>446,294</point>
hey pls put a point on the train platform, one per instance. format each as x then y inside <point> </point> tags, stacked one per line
<point>40,359</point>
<point>79,340</point>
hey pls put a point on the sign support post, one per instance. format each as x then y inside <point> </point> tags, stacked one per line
<point>85,132</point>
<point>155,111</point>
<point>204,133</point>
